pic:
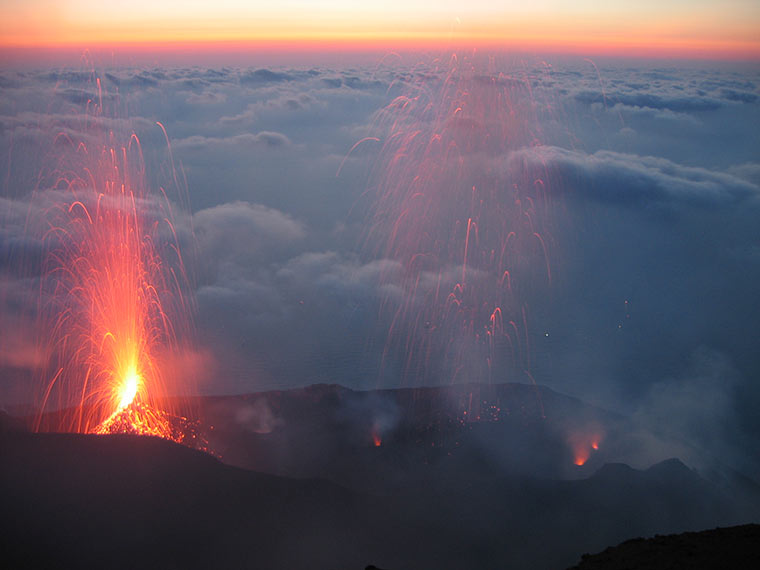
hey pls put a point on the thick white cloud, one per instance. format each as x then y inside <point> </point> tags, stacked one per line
<point>643,181</point>
<point>239,235</point>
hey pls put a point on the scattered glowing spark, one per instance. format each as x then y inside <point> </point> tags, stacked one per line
<point>467,226</point>
<point>112,297</point>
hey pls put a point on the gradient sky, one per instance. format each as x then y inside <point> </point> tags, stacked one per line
<point>698,28</point>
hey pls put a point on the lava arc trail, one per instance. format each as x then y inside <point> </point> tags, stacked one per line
<point>465,221</point>
<point>114,308</point>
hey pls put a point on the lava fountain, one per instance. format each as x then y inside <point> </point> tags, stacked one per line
<point>465,221</point>
<point>113,298</point>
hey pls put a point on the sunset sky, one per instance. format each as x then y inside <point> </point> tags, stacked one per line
<point>692,28</point>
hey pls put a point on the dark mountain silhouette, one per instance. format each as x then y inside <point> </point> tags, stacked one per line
<point>464,476</point>
<point>720,548</point>
<point>11,424</point>
<point>126,502</point>
<point>381,438</point>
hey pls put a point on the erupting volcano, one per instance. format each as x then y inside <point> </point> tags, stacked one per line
<point>465,219</point>
<point>113,298</point>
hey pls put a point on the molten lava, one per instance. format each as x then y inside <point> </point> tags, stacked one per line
<point>113,300</point>
<point>583,445</point>
<point>129,388</point>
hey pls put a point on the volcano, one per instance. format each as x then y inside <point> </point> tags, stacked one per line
<point>318,492</point>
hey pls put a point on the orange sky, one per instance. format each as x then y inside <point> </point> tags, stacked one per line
<point>696,28</point>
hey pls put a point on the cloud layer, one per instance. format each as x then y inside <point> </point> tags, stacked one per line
<point>652,170</point>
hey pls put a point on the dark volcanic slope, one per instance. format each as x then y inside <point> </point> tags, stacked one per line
<point>373,439</point>
<point>720,548</point>
<point>131,502</point>
<point>128,502</point>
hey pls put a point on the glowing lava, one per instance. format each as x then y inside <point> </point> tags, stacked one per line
<point>113,300</point>
<point>583,445</point>
<point>581,457</point>
<point>129,388</point>
<point>377,441</point>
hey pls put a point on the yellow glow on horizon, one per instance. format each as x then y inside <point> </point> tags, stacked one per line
<point>730,26</point>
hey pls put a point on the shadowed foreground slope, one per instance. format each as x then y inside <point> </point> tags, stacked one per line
<point>734,547</point>
<point>125,501</point>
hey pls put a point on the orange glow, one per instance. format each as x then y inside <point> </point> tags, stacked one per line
<point>130,384</point>
<point>112,307</point>
<point>708,29</point>
<point>377,441</point>
<point>582,445</point>
<point>721,49</point>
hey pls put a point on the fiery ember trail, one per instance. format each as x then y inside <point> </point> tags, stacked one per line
<point>465,222</point>
<point>112,298</point>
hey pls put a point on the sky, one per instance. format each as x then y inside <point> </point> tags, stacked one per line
<point>700,28</point>
<point>619,144</point>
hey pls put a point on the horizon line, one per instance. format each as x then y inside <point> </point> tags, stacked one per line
<point>347,45</point>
